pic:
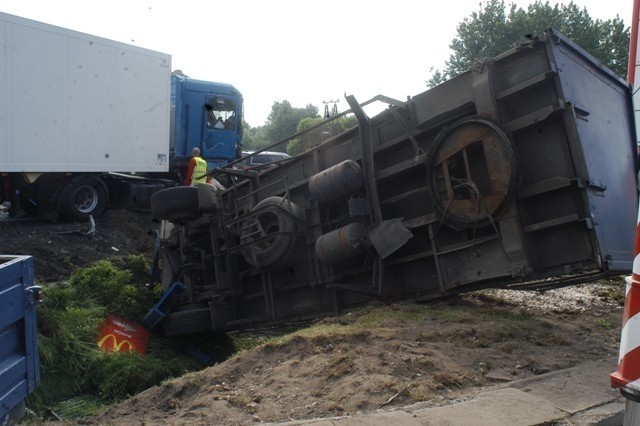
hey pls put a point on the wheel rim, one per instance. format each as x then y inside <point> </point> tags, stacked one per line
<point>472,172</point>
<point>268,234</point>
<point>86,199</point>
<point>270,225</point>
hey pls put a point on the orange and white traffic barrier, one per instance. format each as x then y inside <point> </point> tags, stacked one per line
<point>627,376</point>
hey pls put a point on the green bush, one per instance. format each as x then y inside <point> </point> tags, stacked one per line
<point>115,287</point>
<point>122,374</point>
<point>72,365</point>
<point>67,341</point>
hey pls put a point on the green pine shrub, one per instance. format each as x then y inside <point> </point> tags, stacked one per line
<point>73,368</point>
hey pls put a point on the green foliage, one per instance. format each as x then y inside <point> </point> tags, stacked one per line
<point>139,266</point>
<point>68,321</point>
<point>281,124</point>
<point>77,378</point>
<point>362,320</point>
<point>78,406</point>
<point>241,342</point>
<point>67,334</point>
<point>116,287</point>
<point>318,135</point>
<point>307,140</point>
<point>348,122</point>
<point>284,119</point>
<point>602,324</point>
<point>493,30</point>
<point>121,374</point>
<point>254,138</point>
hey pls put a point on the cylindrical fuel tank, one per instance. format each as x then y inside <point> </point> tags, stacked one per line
<point>341,244</point>
<point>336,181</point>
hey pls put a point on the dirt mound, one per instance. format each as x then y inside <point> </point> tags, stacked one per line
<point>391,355</point>
<point>58,249</point>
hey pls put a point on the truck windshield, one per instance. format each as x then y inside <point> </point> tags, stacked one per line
<point>220,113</point>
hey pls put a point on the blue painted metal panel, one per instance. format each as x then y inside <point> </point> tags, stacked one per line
<point>12,301</point>
<point>9,339</point>
<point>164,305</point>
<point>19,359</point>
<point>12,397</point>
<point>605,130</point>
<point>12,371</point>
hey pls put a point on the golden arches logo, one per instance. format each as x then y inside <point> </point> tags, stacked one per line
<point>116,346</point>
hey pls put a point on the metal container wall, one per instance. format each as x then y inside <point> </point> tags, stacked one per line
<point>19,359</point>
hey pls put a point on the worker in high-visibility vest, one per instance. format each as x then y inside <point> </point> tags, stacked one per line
<point>197,170</point>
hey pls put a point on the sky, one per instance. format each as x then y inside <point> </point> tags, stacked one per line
<point>302,51</point>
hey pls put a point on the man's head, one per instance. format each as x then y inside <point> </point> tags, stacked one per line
<point>195,152</point>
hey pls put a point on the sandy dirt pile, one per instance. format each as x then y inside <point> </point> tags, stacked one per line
<point>388,356</point>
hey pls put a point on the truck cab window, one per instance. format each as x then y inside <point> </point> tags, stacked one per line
<point>220,114</point>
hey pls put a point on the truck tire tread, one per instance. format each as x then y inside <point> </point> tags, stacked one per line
<point>175,204</point>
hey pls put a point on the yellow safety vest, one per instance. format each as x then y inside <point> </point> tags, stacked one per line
<point>198,172</point>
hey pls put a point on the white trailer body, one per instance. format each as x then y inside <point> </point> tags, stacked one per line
<point>73,102</point>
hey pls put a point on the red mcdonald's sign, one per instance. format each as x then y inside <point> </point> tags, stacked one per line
<point>118,335</point>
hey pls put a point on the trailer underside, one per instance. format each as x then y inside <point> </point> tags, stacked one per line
<point>519,170</point>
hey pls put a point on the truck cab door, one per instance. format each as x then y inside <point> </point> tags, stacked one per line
<point>220,128</point>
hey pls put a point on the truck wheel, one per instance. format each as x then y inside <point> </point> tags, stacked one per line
<point>194,320</point>
<point>83,197</point>
<point>270,233</point>
<point>175,204</point>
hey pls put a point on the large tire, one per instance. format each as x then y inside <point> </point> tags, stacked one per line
<point>84,196</point>
<point>272,227</point>
<point>175,204</point>
<point>189,321</point>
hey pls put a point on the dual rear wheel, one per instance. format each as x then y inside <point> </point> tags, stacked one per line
<point>83,197</point>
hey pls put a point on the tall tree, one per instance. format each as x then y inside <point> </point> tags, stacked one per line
<point>281,123</point>
<point>319,134</point>
<point>307,140</point>
<point>283,120</point>
<point>253,138</point>
<point>492,30</point>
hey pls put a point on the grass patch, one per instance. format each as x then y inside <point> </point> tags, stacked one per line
<point>119,287</point>
<point>360,322</point>
<point>472,313</point>
<point>72,366</point>
<point>603,325</point>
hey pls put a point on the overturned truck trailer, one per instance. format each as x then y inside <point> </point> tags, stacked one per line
<point>520,169</point>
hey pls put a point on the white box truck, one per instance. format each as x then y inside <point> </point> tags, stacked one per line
<point>79,110</point>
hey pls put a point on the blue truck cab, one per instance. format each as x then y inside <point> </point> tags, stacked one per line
<point>19,360</point>
<point>207,115</point>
